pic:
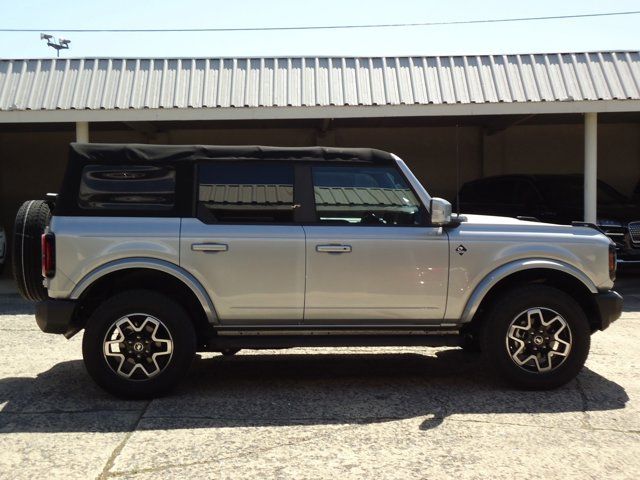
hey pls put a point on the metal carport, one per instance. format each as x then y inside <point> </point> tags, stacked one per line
<point>143,93</point>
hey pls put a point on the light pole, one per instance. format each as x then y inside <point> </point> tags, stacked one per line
<point>58,44</point>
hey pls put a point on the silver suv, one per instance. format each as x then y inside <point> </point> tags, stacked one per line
<point>158,252</point>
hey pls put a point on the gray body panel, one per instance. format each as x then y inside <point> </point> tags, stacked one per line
<point>498,246</point>
<point>84,244</point>
<point>390,274</point>
<point>259,277</point>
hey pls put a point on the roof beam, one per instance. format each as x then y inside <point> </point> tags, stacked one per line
<point>322,112</point>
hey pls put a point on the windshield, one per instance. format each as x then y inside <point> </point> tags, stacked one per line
<point>570,191</point>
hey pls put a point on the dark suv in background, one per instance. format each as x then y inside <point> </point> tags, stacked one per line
<point>556,199</point>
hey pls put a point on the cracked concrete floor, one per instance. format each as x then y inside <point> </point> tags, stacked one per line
<point>318,413</point>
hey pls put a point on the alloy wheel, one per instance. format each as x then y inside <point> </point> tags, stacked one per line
<point>539,340</point>
<point>138,346</point>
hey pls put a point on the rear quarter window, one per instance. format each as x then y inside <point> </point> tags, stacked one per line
<point>127,187</point>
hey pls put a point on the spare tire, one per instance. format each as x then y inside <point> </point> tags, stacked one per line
<point>31,220</point>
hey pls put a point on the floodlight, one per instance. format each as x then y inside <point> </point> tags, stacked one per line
<point>60,44</point>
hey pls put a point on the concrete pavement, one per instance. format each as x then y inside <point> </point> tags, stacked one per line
<point>318,413</point>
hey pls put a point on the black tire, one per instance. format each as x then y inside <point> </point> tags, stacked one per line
<point>496,346</point>
<point>138,304</point>
<point>32,218</point>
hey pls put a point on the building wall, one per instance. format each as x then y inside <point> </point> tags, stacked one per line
<point>32,163</point>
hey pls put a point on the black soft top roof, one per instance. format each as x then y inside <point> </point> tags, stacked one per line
<point>182,157</point>
<point>85,153</point>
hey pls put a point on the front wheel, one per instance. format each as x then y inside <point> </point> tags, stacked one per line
<point>537,337</point>
<point>138,344</point>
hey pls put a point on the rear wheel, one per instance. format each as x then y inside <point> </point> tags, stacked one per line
<point>537,337</point>
<point>31,220</point>
<point>138,344</point>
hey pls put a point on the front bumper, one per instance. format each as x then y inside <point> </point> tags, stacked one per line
<point>56,316</point>
<point>609,307</point>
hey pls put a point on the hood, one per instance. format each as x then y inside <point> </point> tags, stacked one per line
<point>495,220</point>
<point>509,224</point>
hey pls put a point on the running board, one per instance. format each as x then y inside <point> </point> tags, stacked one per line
<point>336,339</point>
<point>355,330</point>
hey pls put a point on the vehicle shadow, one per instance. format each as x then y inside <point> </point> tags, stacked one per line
<point>292,389</point>
<point>13,304</point>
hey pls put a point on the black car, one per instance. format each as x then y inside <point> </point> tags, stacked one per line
<point>556,199</point>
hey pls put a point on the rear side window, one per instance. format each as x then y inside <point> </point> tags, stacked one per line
<point>242,192</point>
<point>364,196</point>
<point>127,187</point>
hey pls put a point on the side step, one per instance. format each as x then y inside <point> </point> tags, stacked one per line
<point>260,342</point>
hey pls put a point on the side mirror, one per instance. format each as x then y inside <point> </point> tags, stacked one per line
<point>440,211</point>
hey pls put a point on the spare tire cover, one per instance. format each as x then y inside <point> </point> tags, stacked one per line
<point>31,220</point>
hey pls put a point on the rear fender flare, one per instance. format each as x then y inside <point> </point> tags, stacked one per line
<point>154,264</point>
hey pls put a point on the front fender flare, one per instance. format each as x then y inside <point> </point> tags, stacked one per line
<point>153,264</point>
<point>503,271</point>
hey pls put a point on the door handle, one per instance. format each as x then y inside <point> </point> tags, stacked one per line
<point>209,247</point>
<point>333,248</point>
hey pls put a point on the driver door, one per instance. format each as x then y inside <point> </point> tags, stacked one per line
<point>371,257</point>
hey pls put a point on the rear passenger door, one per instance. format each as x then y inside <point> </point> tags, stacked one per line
<point>243,245</point>
<point>371,256</point>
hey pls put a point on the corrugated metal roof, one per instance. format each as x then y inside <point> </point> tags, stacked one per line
<point>110,83</point>
<point>364,196</point>
<point>246,194</point>
<point>230,195</point>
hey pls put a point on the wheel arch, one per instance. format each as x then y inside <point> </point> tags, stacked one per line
<point>550,272</point>
<point>134,272</point>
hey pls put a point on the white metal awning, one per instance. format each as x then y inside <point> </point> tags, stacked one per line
<point>110,89</point>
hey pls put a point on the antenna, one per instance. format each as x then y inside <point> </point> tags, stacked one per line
<point>457,169</point>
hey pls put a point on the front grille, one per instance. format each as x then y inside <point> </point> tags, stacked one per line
<point>634,231</point>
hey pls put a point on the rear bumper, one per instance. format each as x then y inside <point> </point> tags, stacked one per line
<point>609,307</point>
<point>56,316</point>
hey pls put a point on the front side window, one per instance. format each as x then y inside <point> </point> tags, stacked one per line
<point>364,196</point>
<point>240,192</point>
<point>127,187</point>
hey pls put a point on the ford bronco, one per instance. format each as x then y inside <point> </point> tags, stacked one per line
<point>159,252</point>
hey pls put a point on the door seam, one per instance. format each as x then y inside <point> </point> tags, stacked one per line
<point>304,293</point>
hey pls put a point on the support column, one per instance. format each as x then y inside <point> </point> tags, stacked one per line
<point>590,166</point>
<point>82,132</point>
